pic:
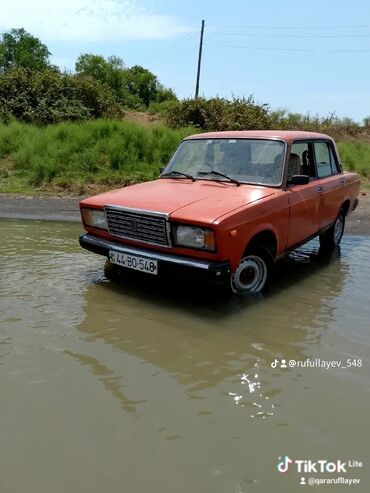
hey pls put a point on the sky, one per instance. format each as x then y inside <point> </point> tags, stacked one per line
<point>309,56</point>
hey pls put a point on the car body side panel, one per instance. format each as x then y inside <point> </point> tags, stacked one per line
<point>269,214</point>
<point>304,201</point>
<point>337,190</point>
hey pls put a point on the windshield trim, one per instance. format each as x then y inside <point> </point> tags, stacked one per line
<point>278,185</point>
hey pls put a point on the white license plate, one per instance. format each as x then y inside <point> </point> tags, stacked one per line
<point>134,262</point>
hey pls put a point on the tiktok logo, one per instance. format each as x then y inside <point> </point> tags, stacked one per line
<point>283,465</point>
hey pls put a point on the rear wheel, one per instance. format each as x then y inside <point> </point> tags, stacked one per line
<point>253,273</point>
<point>333,235</point>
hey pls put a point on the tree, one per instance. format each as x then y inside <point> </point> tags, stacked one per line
<point>142,83</point>
<point>135,87</point>
<point>47,96</point>
<point>107,71</point>
<point>165,94</point>
<point>19,49</point>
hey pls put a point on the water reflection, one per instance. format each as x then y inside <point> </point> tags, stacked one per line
<point>204,339</point>
<point>102,381</point>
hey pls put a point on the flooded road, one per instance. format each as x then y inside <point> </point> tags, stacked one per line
<point>140,387</point>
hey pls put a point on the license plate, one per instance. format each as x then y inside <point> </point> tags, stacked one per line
<point>134,262</point>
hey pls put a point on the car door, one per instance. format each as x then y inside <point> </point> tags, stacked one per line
<point>331,182</point>
<point>304,200</point>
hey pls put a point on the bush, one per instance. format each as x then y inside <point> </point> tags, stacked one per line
<point>163,108</point>
<point>245,114</point>
<point>219,114</point>
<point>51,97</point>
<point>338,128</point>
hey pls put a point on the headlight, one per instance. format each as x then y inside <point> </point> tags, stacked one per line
<point>95,218</point>
<point>191,236</point>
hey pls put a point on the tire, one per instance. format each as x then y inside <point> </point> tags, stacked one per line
<point>253,273</point>
<point>331,238</point>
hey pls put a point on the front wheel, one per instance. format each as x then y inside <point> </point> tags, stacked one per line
<point>253,273</point>
<point>332,236</point>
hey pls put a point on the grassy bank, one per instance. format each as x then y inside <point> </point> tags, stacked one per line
<point>97,155</point>
<point>82,157</point>
<point>355,156</point>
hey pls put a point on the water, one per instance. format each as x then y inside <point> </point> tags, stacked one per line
<point>142,387</point>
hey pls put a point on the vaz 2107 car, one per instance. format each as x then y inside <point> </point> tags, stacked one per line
<point>226,207</point>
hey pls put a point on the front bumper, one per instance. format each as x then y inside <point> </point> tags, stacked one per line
<point>215,272</point>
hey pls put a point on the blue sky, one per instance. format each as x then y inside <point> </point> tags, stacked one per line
<point>308,56</point>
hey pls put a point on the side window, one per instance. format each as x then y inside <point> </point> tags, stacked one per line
<point>304,150</point>
<point>325,162</point>
<point>334,168</point>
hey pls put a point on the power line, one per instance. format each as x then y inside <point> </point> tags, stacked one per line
<point>290,27</point>
<point>349,51</point>
<point>287,49</point>
<point>259,48</point>
<point>178,55</point>
<point>168,48</point>
<point>292,35</point>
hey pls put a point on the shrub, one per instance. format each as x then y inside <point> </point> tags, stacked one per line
<point>51,97</point>
<point>219,114</point>
<point>162,108</point>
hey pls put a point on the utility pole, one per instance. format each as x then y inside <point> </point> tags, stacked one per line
<point>199,59</point>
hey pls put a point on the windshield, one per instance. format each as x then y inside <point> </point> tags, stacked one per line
<point>245,160</point>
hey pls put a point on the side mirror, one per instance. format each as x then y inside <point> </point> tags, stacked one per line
<point>299,180</point>
<point>161,170</point>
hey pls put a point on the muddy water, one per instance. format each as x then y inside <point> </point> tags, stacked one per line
<point>140,387</point>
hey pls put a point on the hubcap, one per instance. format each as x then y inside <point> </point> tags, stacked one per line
<point>250,276</point>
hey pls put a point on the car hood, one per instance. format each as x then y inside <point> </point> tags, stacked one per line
<point>183,200</point>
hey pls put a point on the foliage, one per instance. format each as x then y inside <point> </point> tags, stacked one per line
<point>19,49</point>
<point>245,114</point>
<point>50,97</point>
<point>142,83</point>
<point>355,156</point>
<point>367,122</point>
<point>107,71</point>
<point>331,124</point>
<point>134,87</point>
<point>162,108</point>
<point>77,156</point>
<point>164,94</point>
<point>219,114</point>
<point>101,151</point>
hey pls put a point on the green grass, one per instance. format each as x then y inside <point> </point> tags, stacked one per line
<point>87,157</point>
<point>355,156</point>
<point>77,157</point>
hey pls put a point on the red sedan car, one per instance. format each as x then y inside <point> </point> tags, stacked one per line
<point>226,207</point>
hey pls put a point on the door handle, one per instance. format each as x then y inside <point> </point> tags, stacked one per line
<point>342,181</point>
<point>320,188</point>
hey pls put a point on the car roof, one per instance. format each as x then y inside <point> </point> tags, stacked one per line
<point>285,135</point>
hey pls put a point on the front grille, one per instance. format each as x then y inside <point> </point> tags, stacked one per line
<point>136,225</point>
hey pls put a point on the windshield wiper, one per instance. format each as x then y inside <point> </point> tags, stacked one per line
<point>212,172</point>
<point>179,174</point>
